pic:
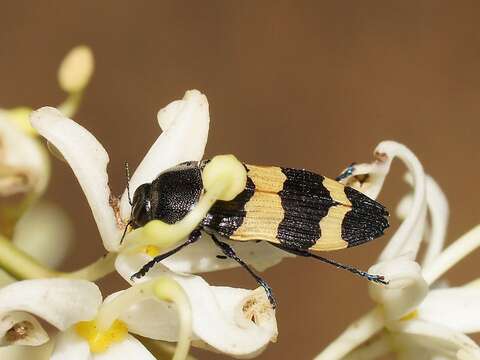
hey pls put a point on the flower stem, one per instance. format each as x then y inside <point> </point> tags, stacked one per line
<point>19,264</point>
<point>356,334</point>
<point>22,266</point>
<point>453,254</point>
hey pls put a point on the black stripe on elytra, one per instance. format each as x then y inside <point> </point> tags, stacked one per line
<point>305,202</point>
<point>225,217</point>
<point>366,221</point>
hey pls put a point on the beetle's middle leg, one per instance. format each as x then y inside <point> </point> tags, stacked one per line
<point>300,252</point>
<point>194,236</point>
<point>229,252</point>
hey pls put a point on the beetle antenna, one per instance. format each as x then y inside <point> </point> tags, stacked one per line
<point>127,174</point>
<point>125,231</point>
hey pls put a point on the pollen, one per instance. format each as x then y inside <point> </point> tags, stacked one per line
<point>150,250</point>
<point>100,341</point>
<point>410,316</point>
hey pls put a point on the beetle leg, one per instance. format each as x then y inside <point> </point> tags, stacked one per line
<point>374,278</point>
<point>194,236</point>
<point>229,252</point>
<point>346,173</point>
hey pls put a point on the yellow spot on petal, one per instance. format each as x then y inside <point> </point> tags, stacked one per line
<point>151,250</point>
<point>100,341</point>
<point>410,316</point>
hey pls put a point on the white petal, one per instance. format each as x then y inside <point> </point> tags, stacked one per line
<point>45,232</point>
<point>15,352</point>
<point>202,256</point>
<point>438,208</point>
<point>373,349</point>
<point>185,130</point>
<point>455,252</point>
<point>408,350</point>
<point>61,302</point>
<point>88,160</point>
<point>440,339</point>
<point>70,346</point>
<point>218,315</point>
<point>127,349</point>
<point>406,239</point>
<point>24,163</point>
<point>456,308</point>
<point>408,236</point>
<point>406,289</point>
<point>356,334</point>
<point>21,328</point>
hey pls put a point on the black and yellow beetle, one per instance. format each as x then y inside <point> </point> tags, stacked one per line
<point>294,210</point>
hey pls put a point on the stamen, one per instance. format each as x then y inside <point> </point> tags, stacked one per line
<point>224,177</point>
<point>74,75</point>
<point>168,290</point>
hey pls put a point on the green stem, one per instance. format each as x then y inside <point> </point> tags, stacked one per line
<point>22,266</point>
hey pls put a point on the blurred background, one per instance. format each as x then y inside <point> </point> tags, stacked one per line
<point>313,84</point>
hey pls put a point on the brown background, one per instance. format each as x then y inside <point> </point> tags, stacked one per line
<point>305,84</point>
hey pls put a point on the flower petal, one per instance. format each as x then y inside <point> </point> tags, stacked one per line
<point>222,316</point>
<point>15,352</point>
<point>127,349</point>
<point>61,302</point>
<point>69,345</point>
<point>456,308</point>
<point>202,256</point>
<point>406,239</point>
<point>360,331</point>
<point>185,130</point>
<point>88,160</point>
<point>405,349</point>
<point>44,232</point>
<point>24,163</point>
<point>373,349</point>
<point>439,339</point>
<point>406,288</point>
<point>438,208</point>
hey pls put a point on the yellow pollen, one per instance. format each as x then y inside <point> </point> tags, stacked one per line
<point>410,316</point>
<point>150,250</point>
<point>100,341</point>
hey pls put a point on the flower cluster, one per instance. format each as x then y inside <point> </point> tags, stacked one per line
<point>416,316</point>
<point>170,304</point>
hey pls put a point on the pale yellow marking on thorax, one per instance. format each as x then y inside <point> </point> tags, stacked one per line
<point>264,209</point>
<point>331,229</point>
<point>337,191</point>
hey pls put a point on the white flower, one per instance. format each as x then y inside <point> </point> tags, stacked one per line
<point>412,318</point>
<point>185,129</point>
<point>219,319</point>
<point>24,163</point>
<point>234,321</point>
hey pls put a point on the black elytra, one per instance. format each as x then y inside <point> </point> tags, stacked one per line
<point>296,210</point>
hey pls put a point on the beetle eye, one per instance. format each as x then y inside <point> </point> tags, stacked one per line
<point>141,207</point>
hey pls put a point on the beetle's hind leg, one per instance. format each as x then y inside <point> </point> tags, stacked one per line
<point>194,236</point>
<point>229,252</point>
<point>374,278</point>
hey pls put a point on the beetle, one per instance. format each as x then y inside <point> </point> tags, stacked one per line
<point>295,210</point>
